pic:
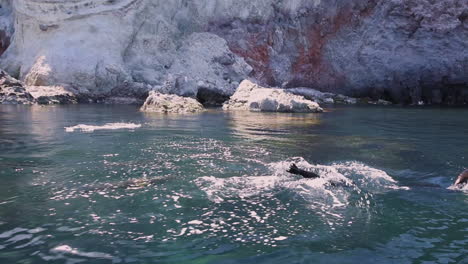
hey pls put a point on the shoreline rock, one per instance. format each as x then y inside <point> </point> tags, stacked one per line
<point>13,91</point>
<point>332,98</point>
<point>52,95</point>
<point>169,103</point>
<point>252,97</point>
<point>321,97</point>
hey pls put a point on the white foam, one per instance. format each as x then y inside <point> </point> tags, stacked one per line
<point>108,126</point>
<point>281,238</point>
<point>242,187</point>
<point>463,188</point>
<point>360,178</point>
<point>65,249</point>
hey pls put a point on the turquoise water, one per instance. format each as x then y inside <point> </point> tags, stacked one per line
<point>221,193</point>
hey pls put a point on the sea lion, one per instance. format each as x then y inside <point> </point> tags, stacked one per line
<point>462,178</point>
<point>293,169</point>
<point>306,174</point>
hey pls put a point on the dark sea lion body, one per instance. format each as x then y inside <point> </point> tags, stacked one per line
<point>462,178</point>
<point>306,174</point>
<point>312,175</point>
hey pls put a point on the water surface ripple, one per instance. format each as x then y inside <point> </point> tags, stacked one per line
<point>108,184</point>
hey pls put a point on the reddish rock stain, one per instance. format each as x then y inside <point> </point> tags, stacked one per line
<point>309,67</point>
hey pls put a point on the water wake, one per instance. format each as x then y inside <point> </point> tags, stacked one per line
<point>108,126</point>
<point>338,182</point>
<point>463,188</point>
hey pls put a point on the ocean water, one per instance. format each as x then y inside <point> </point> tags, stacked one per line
<point>109,184</point>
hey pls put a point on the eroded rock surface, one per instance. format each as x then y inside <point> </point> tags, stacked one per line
<point>252,97</point>
<point>13,91</point>
<point>401,51</point>
<point>169,103</point>
<point>6,25</point>
<point>49,95</point>
<point>323,98</point>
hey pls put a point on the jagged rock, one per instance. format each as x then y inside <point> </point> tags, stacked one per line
<point>13,91</point>
<point>203,62</point>
<point>48,95</point>
<point>250,96</point>
<point>403,51</point>
<point>211,97</point>
<point>166,103</point>
<point>322,98</point>
<point>127,93</point>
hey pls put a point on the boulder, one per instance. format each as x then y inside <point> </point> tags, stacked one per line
<point>169,103</point>
<point>321,97</point>
<point>13,91</point>
<point>49,95</point>
<point>250,96</point>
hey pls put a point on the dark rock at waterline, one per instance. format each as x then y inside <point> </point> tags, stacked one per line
<point>57,99</point>
<point>52,95</point>
<point>13,91</point>
<point>211,97</point>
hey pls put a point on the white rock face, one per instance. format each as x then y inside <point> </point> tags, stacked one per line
<point>166,103</point>
<point>406,51</point>
<point>64,43</point>
<point>95,46</point>
<point>250,96</point>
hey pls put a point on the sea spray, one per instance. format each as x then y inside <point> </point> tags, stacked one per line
<point>108,126</point>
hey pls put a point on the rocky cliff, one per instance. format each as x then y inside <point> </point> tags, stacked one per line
<point>404,51</point>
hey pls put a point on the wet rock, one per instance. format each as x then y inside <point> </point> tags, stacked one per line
<point>127,93</point>
<point>167,103</point>
<point>13,91</point>
<point>370,101</point>
<point>211,97</point>
<point>49,95</point>
<point>250,96</point>
<point>384,102</point>
<point>322,98</point>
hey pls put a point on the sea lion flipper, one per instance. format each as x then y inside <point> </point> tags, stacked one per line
<point>462,178</point>
<point>293,169</point>
<point>306,174</point>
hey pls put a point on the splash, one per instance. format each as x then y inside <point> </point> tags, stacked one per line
<point>463,188</point>
<point>274,208</point>
<point>65,249</point>
<point>108,126</point>
<point>338,182</point>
